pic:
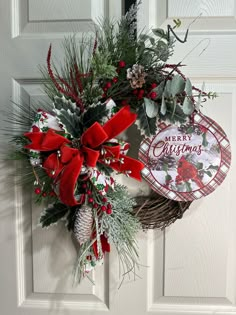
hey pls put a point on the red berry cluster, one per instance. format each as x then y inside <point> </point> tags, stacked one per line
<point>108,85</point>
<point>105,207</point>
<point>38,191</point>
<point>140,93</point>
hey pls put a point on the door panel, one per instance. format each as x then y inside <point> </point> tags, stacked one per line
<point>37,265</point>
<point>197,255</point>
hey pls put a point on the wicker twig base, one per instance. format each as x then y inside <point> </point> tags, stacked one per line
<point>156,211</point>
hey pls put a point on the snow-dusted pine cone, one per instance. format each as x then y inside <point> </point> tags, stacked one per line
<point>136,75</point>
<point>83,224</point>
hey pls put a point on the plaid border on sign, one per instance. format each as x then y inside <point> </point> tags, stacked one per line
<point>224,145</point>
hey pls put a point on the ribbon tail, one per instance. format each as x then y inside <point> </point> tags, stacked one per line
<point>68,181</point>
<point>130,167</point>
<point>42,141</point>
<point>119,122</point>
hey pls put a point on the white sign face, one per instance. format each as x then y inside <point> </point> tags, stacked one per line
<point>186,162</point>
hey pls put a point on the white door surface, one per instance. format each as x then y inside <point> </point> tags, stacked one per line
<point>190,268</point>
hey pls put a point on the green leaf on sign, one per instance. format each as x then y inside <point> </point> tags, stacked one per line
<point>188,186</point>
<point>199,165</point>
<point>213,167</point>
<point>151,107</point>
<point>168,178</point>
<point>208,173</point>
<point>204,140</point>
<point>165,167</point>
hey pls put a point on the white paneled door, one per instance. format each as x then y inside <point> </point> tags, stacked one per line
<point>189,268</point>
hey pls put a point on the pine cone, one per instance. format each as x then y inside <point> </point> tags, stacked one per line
<point>136,75</point>
<point>83,224</point>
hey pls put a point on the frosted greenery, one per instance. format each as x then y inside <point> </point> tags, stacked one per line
<point>121,228</point>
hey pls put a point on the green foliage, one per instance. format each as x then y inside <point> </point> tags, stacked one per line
<point>146,125</point>
<point>95,113</point>
<point>92,94</point>
<point>151,107</point>
<point>177,23</point>
<point>70,219</point>
<point>101,66</point>
<point>212,95</point>
<point>77,52</point>
<point>174,112</point>
<point>61,103</point>
<point>188,106</point>
<point>68,115</point>
<point>53,214</point>
<point>104,169</point>
<point>122,226</point>
<point>175,86</point>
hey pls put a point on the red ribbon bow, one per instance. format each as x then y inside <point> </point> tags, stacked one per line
<point>65,164</point>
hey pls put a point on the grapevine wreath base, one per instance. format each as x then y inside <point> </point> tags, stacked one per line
<point>71,144</point>
<point>157,212</point>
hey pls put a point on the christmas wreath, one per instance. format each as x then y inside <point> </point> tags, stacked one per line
<point>71,146</point>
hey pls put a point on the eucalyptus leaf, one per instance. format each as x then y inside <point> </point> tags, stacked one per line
<point>163,105</point>
<point>188,87</point>
<point>177,85</point>
<point>151,107</point>
<point>167,90</point>
<point>159,32</point>
<point>144,37</point>
<point>188,106</point>
<point>146,125</point>
<point>174,108</point>
<point>162,50</point>
<point>152,40</point>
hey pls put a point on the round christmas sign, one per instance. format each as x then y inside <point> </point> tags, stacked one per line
<point>186,162</point>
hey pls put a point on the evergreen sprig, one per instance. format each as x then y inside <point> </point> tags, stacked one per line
<point>121,227</point>
<point>53,214</point>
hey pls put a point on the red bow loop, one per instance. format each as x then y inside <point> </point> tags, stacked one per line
<point>48,141</point>
<point>65,165</point>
